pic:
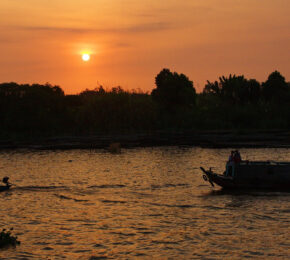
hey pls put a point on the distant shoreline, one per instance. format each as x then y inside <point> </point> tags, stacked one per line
<point>207,139</point>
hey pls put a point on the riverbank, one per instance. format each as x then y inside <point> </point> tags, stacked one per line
<point>209,139</point>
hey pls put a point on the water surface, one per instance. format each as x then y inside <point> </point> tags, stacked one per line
<point>143,203</point>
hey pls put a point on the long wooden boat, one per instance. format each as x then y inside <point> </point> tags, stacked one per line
<point>6,187</point>
<point>252,175</point>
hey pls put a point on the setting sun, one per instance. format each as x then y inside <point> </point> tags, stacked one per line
<point>86,57</point>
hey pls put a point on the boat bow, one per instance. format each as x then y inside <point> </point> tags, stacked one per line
<point>208,175</point>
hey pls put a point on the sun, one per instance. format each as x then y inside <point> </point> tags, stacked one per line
<point>86,57</point>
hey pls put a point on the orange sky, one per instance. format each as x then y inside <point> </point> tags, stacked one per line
<point>131,41</point>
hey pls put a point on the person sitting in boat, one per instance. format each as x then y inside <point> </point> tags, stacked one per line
<point>231,157</point>
<point>237,157</point>
<point>6,181</point>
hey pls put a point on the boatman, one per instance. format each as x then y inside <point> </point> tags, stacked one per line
<point>6,181</point>
<point>237,157</point>
<point>232,156</point>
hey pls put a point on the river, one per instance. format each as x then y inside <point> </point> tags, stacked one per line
<point>145,203</point>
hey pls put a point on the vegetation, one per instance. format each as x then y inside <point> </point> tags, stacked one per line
<point>173,90</point>
<point>7,239</point>
<point>232,102</point>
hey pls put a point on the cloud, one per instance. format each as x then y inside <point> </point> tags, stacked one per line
<point>140,28</point>
<point>121,45</point>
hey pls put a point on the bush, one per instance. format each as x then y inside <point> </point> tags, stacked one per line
<point>7,239</point>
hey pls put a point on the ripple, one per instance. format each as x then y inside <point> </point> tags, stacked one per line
<point>107,186</point>
<point>34,222</point>
<point>113,201</point>
<point>169,185</point>
<point>147,232</point>
<point>165,242</point>
<point>98,257</point>
<point>265,217</point>
<point>88,221</point>
<point>156,207</point>
<point>172,206</point>
<point>254,253</point>
<point>99,246</point>
<point>213,207</point>
<point>64,243</point>
<point>41,243</point>
<point>69,198</point>
<point>234,204</point>
<point>140,254</point>
<point>124,234</point>
<point>82,251</point>
<point>124,243</point>
<point>47,248</point>
<point>285,210</point>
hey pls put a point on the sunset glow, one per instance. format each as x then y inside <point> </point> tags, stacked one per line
<point>86,57</point>
<point>203,39</point>
<point>145,129</point>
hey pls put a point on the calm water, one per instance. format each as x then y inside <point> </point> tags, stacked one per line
<point>143,203</point>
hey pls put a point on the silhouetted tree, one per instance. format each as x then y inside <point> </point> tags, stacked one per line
<point>232,102</point>
<point>254,91</point>
<point>212,88</point>
<point>173,90</point>
<point>234,90</point>
<point>276,88</point>
<point>31,108</point>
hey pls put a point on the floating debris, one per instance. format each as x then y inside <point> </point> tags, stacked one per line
<point>114,148</point>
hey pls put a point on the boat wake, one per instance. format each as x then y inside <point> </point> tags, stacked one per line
<point>107,186</point>
<point>64,197</point>
<point>41,188</point>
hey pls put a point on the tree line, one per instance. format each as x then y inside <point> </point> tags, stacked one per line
<point>232,102</point>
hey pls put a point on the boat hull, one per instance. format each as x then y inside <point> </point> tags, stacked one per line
<point>4,188</point>
<point>232,183</point>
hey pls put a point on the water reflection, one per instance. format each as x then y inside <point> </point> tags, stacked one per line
<point>147,203</point>
<point>248,193</point>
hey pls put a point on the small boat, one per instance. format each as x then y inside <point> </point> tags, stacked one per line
<point>251,175</point>
<point>7,186</point>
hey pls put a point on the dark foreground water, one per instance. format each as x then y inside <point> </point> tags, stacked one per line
<point>146,203</point>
